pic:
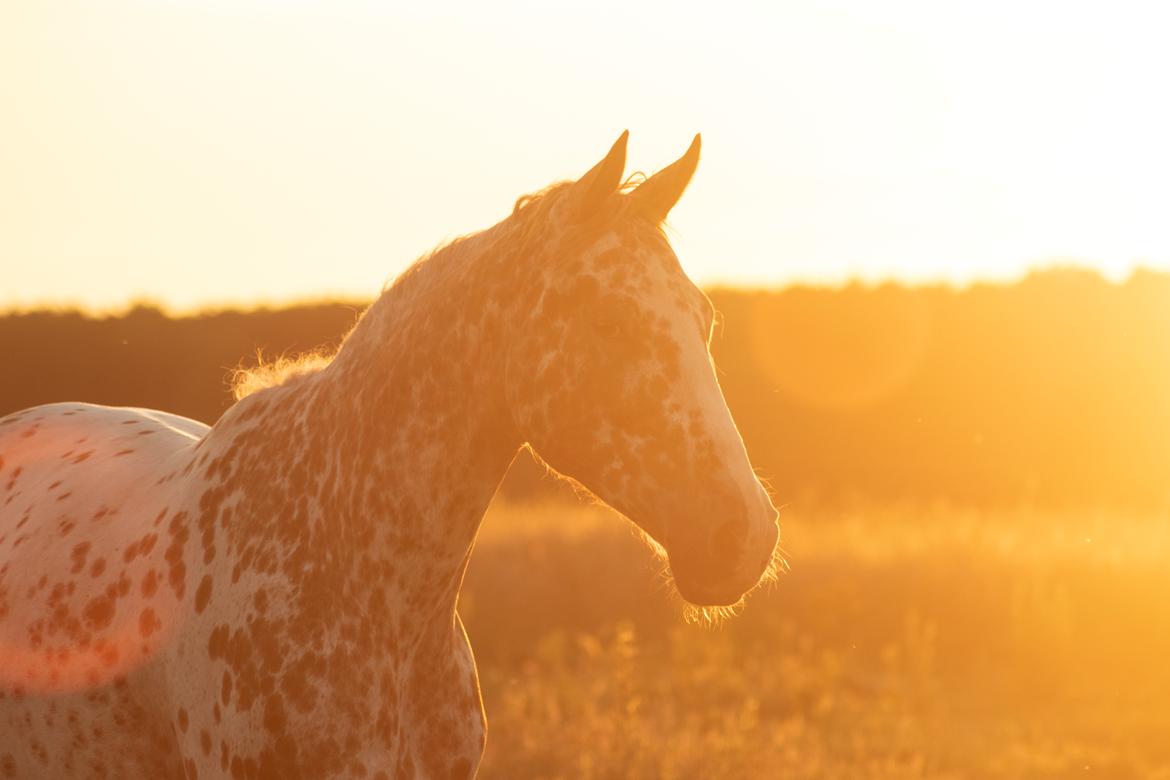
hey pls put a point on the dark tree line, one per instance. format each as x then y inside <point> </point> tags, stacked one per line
<point>1054,390</point>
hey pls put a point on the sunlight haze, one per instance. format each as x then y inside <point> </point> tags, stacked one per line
<point>199,153</point>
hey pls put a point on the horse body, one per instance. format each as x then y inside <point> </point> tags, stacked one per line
<point>276,596</point>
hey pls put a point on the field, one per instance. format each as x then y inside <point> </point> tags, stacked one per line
<point>906,641</point>
<point>915,635</point>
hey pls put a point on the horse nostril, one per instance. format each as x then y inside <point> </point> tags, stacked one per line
<point>727,542</point>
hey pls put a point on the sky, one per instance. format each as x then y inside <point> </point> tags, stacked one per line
<point>227,152</point>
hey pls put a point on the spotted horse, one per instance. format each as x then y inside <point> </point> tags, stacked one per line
<point>275,596</point>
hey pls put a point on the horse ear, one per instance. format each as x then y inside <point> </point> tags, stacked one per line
<point>603,179</point>
<point>656,196</point>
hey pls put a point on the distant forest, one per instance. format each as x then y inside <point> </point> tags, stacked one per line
<point>1055,390</point>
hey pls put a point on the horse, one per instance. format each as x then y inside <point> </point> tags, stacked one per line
<point>275,596</point>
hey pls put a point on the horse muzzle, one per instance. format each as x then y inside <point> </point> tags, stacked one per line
<point>719,570</point>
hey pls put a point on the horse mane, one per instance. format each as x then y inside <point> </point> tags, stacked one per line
<point>530,215</point>
<point>245,381</point>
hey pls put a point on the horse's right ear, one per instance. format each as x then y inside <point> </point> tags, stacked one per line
<point>603,179</point>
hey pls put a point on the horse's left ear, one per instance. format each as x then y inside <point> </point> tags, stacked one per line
<point>656,196</point>
<point>603,179</point>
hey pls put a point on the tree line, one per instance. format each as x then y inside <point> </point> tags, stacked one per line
<point>1054,390</point>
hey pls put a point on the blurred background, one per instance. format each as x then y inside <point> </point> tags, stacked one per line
<point>936,236</point>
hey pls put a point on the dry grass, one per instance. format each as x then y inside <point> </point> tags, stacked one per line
<point>906,642</point>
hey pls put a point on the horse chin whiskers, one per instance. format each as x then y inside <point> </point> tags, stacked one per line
<point>777,565</point>
<point>713,616</point>
<point>710,617</point>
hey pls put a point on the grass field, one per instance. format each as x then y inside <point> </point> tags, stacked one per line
<point>907,641</point>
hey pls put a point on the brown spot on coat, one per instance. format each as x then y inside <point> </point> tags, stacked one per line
<point>203,594</point>
<point>99,612</point>
<point>150,583</point>
<point>148,622</point>
<point>78,557</point>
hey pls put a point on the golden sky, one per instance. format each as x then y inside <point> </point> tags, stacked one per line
<point>214,151</point>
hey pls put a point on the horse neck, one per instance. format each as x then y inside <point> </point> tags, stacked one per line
<point>408,429</point>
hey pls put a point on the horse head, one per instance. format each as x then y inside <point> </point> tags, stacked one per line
<point>609,378</point>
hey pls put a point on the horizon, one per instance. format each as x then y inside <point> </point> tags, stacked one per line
<point>1039,272</point>
<point>320,150</point>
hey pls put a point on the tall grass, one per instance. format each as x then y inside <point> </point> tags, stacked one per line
<point>907,641</point>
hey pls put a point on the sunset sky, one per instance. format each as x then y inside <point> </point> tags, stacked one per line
<point>235,151</point>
